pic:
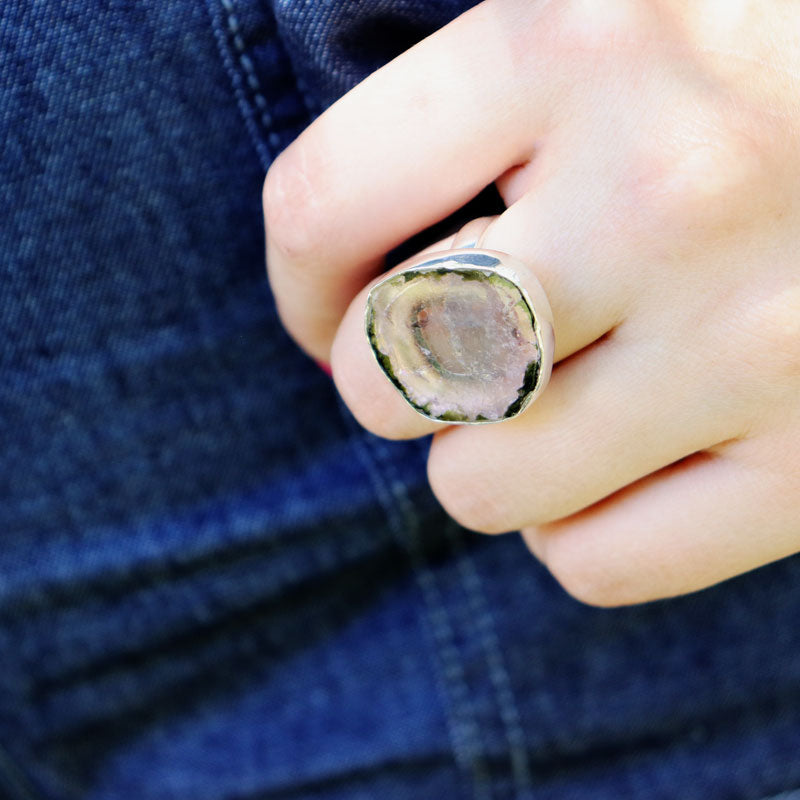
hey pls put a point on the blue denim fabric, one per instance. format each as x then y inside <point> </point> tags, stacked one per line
<point>213,584</point>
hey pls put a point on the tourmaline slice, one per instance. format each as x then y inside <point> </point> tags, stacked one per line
<point>459,343</point>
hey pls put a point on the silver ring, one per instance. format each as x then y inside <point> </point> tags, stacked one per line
<point>465,336</point>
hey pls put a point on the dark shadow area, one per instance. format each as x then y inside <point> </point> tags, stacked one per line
<point>372,41</point>
<point>225,658</point>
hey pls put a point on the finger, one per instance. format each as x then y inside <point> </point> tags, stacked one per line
<point>517,181</point>
<point>615,412</point>
<point>685,528</point>
<point>393,156</point>
<point>591,272</point>
<point>368,393</point>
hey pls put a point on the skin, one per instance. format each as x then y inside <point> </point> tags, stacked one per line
<point>649,157</point>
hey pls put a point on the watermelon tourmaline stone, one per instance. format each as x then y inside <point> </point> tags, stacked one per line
<point>457,338</point>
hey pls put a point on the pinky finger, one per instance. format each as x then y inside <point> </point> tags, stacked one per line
<point>698,522</point>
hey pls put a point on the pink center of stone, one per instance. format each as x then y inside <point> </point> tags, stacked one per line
<point>460,344</point>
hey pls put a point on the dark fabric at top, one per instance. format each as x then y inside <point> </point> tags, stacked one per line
<point>213,584</point>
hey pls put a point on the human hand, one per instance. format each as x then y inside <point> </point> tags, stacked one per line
<point>649,156</point>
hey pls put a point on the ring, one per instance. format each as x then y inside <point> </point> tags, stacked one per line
<point>461,336</point>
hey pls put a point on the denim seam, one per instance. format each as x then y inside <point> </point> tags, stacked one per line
<point>13,778</point>
<point>464,734</point>
<point>485,626</point>
<point>261,114</point>
<point>250,120</point>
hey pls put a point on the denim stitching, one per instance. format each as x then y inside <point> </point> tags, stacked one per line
<point>250,73</point>
<point>244,107</point>
<point>498,674</point>
<point>464,734</point>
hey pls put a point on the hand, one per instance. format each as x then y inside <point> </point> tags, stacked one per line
<point>649,156</point>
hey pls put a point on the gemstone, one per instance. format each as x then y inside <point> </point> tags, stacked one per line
<point>459,341</point>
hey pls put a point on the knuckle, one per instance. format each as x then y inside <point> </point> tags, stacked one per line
<point>584,577</point>
<point>768,340</point>
<point>682,189</point>
<point>590,26</point>
<point>777,325</point>
<point>294,202</point>
<point>374,417</point>
<point>464,492</point>
<point>754,345</point>
<point>573,38</point>
<point>577,580</point>
<point>703,174</point>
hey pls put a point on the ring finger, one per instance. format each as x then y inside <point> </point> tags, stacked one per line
<point>585,304</point>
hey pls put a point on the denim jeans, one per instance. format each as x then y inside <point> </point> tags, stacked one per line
<point>213,583</point>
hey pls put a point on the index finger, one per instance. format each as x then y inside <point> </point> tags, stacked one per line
<point>402,150</point>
